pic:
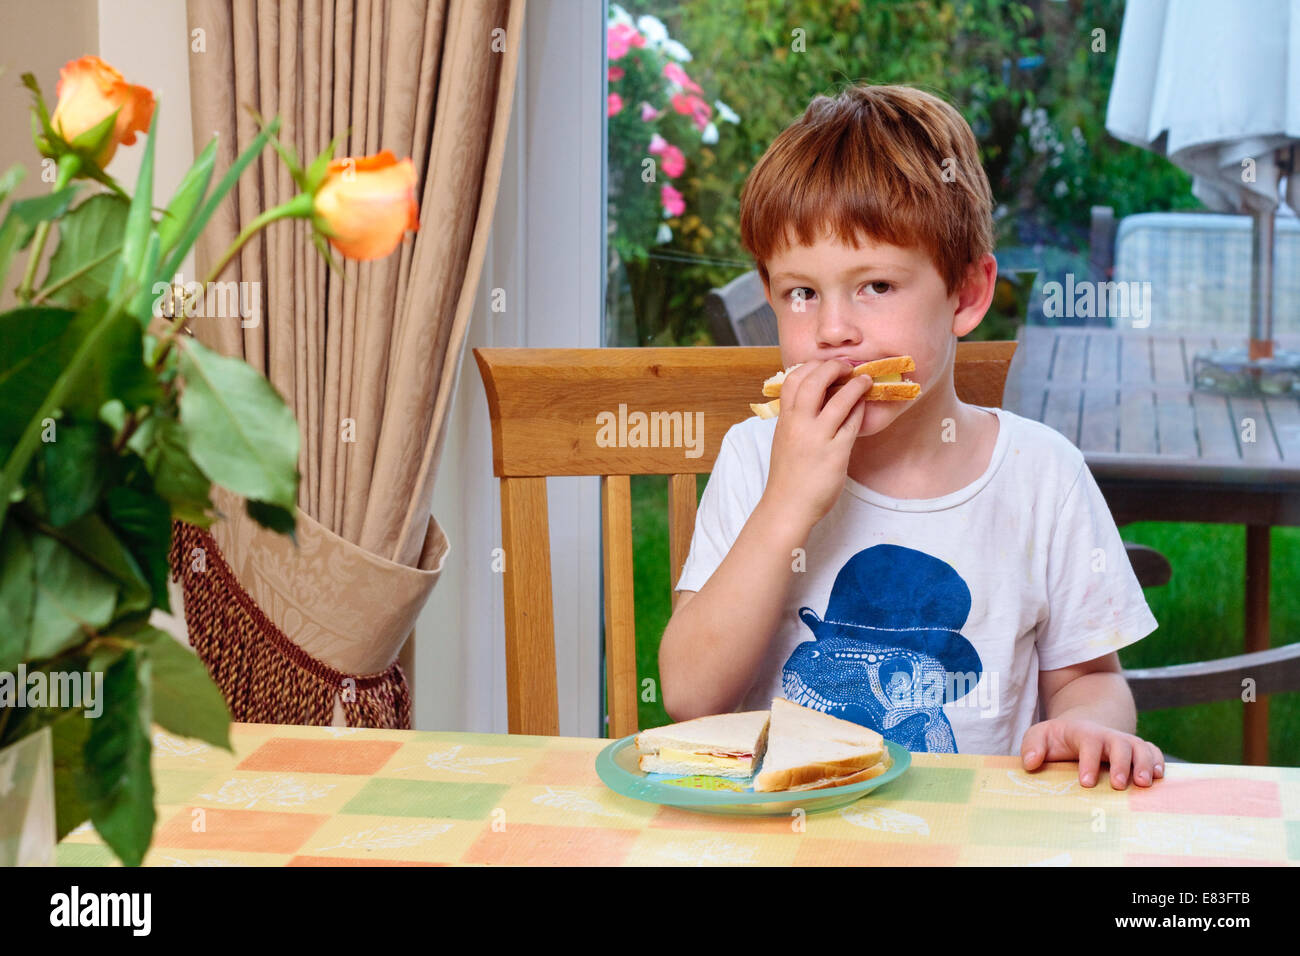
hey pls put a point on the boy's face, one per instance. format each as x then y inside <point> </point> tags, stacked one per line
<point>868,302</point>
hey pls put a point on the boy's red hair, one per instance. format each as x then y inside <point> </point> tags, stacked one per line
<point>890,163</point>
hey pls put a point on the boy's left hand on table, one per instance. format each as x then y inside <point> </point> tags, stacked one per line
<point>1066,738</point>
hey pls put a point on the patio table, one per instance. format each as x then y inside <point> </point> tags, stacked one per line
<point>309,796</point>
<point>1161,451</point>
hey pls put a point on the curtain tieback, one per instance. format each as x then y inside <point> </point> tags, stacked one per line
<point>286,630</point>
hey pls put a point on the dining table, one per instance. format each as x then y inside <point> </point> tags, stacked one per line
<point>1162,450</point>
<point>293,795</point>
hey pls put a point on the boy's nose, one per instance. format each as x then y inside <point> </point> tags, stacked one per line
<point>835,325</point>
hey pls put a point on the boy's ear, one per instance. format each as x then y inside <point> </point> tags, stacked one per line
<point>975,295</point>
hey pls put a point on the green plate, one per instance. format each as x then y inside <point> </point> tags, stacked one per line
<point>617,767</point>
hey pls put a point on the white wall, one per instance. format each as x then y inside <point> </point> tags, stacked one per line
<point>148,41</point>
<point>546,252</point>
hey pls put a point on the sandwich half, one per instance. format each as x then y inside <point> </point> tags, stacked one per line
<point>725,745</point>
<point>809,750</point>
<point>887,383</point>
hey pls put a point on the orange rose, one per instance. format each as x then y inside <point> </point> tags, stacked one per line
<point>90,91</point>
<point>368,204</point>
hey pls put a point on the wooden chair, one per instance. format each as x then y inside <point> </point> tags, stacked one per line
<point>546,406</point>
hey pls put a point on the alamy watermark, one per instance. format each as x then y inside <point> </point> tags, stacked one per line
<point>57,689</point>
<point>651,430</point>
<point>1091,300</point>
<point>219,300</point>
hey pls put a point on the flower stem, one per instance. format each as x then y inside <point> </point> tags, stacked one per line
<point>299,207</point>
<point>69,164</point>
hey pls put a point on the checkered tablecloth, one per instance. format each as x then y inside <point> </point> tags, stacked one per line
<point>305,796</point>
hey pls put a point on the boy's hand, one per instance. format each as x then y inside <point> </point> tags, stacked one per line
<point>812,443</point>
<point>1067,738</point>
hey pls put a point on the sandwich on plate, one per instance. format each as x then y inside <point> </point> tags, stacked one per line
<point>887,383</point>
<point>809,750</point>
<point>725,745</point>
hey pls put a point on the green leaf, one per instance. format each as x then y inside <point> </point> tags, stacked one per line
<point>196,225</point>
<point>116,369</point>
<point>32,212</point>
<point>96,545</point>
<point>188,196</point>
<point>319,167</point>
<point>142,305</point>
<point>273,517</point>
<point>139,220</point>
<point>89,234</point>
<point>91,142</point>
<point>38,107</point>
<point>240,431</point>
<point>74,466</point>
<point>10,180</point>
<point>185,700</point>
<point>32,355</point>
<point>143,522</point>
<point>118,782</point>
<point>163,444</point>
<point>17,595</point>
<point>92,366</point>
<point>70,596</point>
<point>70,732</point>
<point>23,217</point>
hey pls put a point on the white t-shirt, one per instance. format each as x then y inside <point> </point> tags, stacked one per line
<point>928,619</point>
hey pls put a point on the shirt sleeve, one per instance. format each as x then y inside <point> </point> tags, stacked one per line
<point>1095,604</point>
<point>734,488</point>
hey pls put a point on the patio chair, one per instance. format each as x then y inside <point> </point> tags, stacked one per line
<point>544,406</point>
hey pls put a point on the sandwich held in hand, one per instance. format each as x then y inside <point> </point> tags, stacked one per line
<point>726,745</point>
<point>809,750</point>
<point>887,383</point>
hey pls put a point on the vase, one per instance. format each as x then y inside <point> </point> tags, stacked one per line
<point>27,821</point>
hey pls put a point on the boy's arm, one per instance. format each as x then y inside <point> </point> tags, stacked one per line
<point>717,638</point>
<point>1094,690</point>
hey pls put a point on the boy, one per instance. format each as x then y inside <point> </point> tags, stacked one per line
<point>946,574</point>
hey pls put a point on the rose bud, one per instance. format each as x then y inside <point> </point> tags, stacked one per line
<point>367,204</point>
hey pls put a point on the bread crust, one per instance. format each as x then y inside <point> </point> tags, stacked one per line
<point>879,392</point>
<point>861,775</point>
<point>812,776</point>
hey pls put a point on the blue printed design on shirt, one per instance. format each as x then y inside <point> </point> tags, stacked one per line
<point>889,652</point>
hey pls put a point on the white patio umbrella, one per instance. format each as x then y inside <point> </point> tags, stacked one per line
<point>1211,85</point>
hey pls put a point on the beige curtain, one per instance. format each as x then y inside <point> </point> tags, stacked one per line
<point>368,361</point>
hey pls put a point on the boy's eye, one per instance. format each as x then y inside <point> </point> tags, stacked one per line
<point>801,292</point>
<point>880,282</point>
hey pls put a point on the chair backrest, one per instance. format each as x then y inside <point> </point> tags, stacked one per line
<point>617,413</point>
<point>739,314</point>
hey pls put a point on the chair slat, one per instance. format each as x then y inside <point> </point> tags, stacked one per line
<point>530,628</point>
<point>620,607</point>
<point>681,522</point>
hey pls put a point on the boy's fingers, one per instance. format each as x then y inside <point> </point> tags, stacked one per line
<point>811,387</point>
<point>844,401</point>
<point>1159,768</point>
<point>1033,749</point>
<point>1089,760</point>
<point>848,431</point>
<point>1119,754</point>
<point>1144,761</point>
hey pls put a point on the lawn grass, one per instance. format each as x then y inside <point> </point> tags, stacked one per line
<point>1201,615</point>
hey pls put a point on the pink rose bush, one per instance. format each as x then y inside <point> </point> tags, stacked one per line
<point>673,122</point>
